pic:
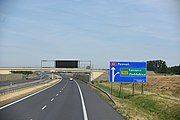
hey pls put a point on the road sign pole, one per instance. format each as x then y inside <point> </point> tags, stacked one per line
<point>41,70</point>
<point>120,90</point>
<point>133,88</point>
<point>111,88</point>
<point>123,90</point>
<point>142,88</point>
<point>90,77</point>
<point>52,76</point>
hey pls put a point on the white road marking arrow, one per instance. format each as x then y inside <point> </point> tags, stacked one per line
<point>113,75</point>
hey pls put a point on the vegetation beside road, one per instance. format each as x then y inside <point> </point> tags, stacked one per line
<point>159,66</point>
<point>16,76</point>
<point>152,106</point>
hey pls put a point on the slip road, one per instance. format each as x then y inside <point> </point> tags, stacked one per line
<point>67,100</point>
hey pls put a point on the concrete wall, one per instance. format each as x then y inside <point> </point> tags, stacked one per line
<point>5,72</point>
<point>88,76</point>
<point>95,75</point>
<point>103,77</point>
<point>82,76</point>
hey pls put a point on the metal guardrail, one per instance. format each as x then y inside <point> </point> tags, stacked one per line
<point>106,93</point>
<point>103,91</point>
<point>23,86</point>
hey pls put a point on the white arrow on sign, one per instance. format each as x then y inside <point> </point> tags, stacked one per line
<point>113,75</point>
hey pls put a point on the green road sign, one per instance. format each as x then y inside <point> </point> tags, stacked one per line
<point>132,72</point>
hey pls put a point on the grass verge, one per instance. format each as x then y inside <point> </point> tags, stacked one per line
<point>147,107</point>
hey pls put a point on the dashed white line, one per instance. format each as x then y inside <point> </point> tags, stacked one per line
<point>44,107</point>
<point>52,99</point>
<point>57,94</point>
<point>59,91</point>
<point>65,84</point>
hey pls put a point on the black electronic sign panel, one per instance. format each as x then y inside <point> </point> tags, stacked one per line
<point>66,64</point>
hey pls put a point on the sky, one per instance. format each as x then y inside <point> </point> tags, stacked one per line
<point>96,30</point>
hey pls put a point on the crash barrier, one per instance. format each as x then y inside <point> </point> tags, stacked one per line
<point>103,91</point>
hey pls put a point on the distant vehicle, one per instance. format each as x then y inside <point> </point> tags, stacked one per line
<point>70,79</point>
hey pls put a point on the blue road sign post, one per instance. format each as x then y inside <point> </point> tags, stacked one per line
<point>128,72</point>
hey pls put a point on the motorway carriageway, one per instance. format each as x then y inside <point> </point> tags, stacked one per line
<point>67,100</point>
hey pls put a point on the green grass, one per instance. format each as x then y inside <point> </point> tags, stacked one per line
<point>155,106</point>
<point>152,105</point>
<point>115,92</point>
<point>146,103</point>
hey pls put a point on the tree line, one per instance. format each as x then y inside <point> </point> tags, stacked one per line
<point>159,66</point>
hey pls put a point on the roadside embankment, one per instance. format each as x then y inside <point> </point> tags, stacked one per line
<point>157,103</point>
<point>13,76</point>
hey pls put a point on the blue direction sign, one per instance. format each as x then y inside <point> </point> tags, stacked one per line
<point>128,72</point>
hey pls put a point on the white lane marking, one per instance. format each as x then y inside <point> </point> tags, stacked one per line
<point>57,94</point>
<point>66,84</point>
<point>27,96</point>
<point>82,101</point>
<point>52,99</point>
<point>59,91</point>
<point>30,119</point>
<point>44,107</point>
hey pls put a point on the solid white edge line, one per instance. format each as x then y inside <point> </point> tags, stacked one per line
<point>27,96</point>
<point>82,101</point>
<point>44,107</point>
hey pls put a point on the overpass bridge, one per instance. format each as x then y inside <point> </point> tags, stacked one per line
<point>94,73</point>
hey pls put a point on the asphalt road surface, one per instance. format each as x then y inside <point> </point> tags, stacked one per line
<point>67,100</point>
